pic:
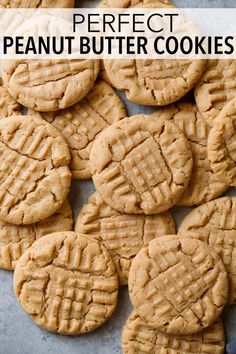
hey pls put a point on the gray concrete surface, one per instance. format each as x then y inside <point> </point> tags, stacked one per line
<point>19,335</point>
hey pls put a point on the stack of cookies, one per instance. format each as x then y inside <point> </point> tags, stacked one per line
<point>67,277</point>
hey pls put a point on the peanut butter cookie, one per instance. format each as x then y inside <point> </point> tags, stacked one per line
<point>216,88</point>
<point>215,224</point>
<point>49,85</point>
<point>204,185</point>
<point>34,178</point>
<point>154,82</point>
<point>141,164</point>
<point>67,283</point>
<point>221,145</point>
<point>15,240</point>
<point>178,286</point>
<point>125,4</point>
<point>122,234</point>
<point>151,82</point>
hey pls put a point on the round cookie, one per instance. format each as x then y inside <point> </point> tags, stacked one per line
<point>125,4</point>
<point>215,224</point>
<point>49,85</point>
<point>36,3</point>
<point>203,185</point>
<point>178,286</point>
<point>154,82</point>
<point>34,177</point>
<point>81,124</point>
<point>151,82</point>
<point>221,145</point>
<point>8,106</point>
<point>139,337</point>
<point>141,164</point>
<point>122,234</point>
<point>15,240</point>
<point>215,88</point>
<point>67,283</point>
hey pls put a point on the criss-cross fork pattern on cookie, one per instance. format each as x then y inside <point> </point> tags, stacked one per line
<point>141,165</point>
<point>34,177</point>
<point>49,85</point>
<point>203,185</point>
<point>181,287</point>
<point>215,224</point>
<point>215,88</point>
<point>67,283</point>
<point>154,82</point>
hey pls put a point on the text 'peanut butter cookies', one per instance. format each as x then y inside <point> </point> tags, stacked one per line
<point>204,185</point>
<point>216,88</point>
<point>34,177</point>
<point>179,286</point>
<point>15,240</point>
<point>49,85</point>
<point>139,337</point>
<point>81,123</point>
<point>8,106</point>
<point>222,145</point>
<point>215,224</point>
<point>36,3</point>
<point>67,283</point>
<point>141,164</point>
<point>122,234</point>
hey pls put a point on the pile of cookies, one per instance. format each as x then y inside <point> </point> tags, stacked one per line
<point>67,277</point>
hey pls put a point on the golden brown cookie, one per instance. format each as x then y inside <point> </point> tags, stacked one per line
<point>151,82</point>
<point>215,224</point>
<point>8,106</point>
<point>81,124</point>
<point>178,286</point>
<point>125,4</point>
<point>141,164</point>
<point>67,283</point>
<point>154,82</point>
<point>15,240</point>
<point>36,3</point>
<point>216,88</point>
<point>49,85</point>
<point>204,185</point>
<point>34,175</point>
<point>221,145</point>
<point>138,337</point>
<point>122,234</point>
